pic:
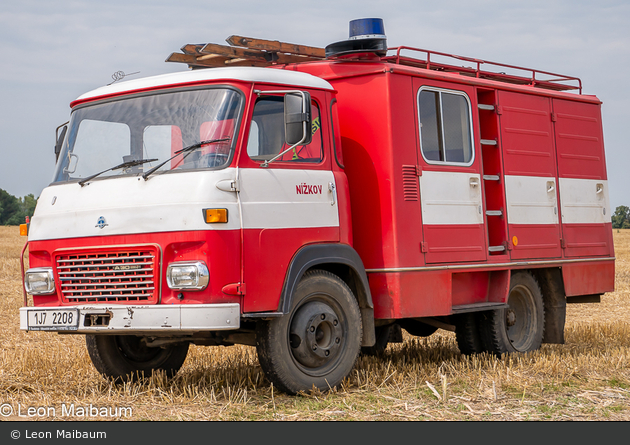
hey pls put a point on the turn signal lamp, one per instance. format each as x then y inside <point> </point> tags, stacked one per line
<point>215,215</point>
<point>23,229</point>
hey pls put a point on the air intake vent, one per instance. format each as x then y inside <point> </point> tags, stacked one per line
<point>411,187</point>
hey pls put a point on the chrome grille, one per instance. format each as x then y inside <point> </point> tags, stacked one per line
<point>108,276</point>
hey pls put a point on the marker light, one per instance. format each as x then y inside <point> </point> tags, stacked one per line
<point>39,281</point>
<point>23,229</point>
<point>189,275</point>
<point>215,215</point>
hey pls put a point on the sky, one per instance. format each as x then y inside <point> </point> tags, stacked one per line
<point>52,52</point>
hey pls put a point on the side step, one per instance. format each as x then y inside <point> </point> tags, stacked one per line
<point>478,307</point>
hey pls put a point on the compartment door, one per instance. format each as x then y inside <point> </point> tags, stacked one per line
<point>530,175</point>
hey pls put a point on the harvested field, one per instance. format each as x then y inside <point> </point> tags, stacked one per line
<point>588,378</point>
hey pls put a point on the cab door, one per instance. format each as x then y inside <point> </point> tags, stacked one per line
<point>286,203</point>
<point>450,181</point>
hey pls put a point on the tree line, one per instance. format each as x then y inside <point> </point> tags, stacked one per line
<point>13,211</point>
<point>621,218</point>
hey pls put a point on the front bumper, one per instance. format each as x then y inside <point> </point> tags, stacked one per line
<point>140,319</point>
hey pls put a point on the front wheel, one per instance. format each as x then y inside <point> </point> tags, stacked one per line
<point>317,343</point>
<point>127,357</point>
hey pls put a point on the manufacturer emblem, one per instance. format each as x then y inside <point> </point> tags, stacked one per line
<point>128,267</point>
<point>101,223</point>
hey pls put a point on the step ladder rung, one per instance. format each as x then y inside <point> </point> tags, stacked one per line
<point>496,248</point>
<point>494,212</point>
<point>491,178</point>
<point>486,107</point>
<point>488,142</point>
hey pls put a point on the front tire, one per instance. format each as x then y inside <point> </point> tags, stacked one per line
<point>520,327</point>
<point>124,358</point>
<point>317,343</point>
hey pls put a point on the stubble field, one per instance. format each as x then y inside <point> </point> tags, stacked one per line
<point>588,378</point>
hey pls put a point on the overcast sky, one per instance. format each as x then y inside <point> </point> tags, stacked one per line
<point>52,52</point>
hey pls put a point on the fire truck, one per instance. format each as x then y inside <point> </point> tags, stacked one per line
<point>314,202</point>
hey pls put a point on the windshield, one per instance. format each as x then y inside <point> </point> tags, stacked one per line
<point>134,135</point>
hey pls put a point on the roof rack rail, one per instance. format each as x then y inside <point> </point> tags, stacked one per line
<point>439,61</point>
<point>246,51</point>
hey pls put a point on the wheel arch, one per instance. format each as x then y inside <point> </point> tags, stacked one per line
<point>341,260</point>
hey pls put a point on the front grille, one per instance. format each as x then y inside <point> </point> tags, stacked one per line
<point>108,276</point>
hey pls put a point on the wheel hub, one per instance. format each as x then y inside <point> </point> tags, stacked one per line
<point>315,335</point>
<point>510,317</point>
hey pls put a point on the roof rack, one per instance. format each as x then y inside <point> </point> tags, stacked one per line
<point>482,69</point>
<point>247,51</point>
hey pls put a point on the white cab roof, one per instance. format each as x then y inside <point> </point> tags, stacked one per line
<point>247,74</point>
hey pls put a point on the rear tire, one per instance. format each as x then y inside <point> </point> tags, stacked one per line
<point>317,343</point>
<point>521,326</point>
<point>467,333</point>
<point>127,358</point>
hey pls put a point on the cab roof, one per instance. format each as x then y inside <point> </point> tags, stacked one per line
<point>245,74</point>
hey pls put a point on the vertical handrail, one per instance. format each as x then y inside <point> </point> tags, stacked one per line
<point>22,269</point>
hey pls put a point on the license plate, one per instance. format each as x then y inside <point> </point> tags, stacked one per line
<point>53,320</point>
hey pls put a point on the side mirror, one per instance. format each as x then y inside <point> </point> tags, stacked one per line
<point>60,138</point>
<point>297,118</point>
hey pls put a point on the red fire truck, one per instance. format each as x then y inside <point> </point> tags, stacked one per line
<point>313,202</point>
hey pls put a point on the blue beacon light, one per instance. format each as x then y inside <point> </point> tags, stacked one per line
<point>367,29</point>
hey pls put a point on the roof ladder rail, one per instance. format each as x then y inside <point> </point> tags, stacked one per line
<point>486,107</point>
<point>494,212</point>
<point>488,142</point>
<point>496,248</point>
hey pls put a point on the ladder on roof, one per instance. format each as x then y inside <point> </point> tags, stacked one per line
<point>245,51</point>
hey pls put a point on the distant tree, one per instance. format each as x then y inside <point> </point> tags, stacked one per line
<point>621,218</point>
<point>13,211</point>
<point>10,206</point>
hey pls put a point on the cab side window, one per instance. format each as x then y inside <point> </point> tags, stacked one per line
<point>445,127</point>
<point>266,133</point>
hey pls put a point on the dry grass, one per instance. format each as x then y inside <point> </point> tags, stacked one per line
<point>588,378</point>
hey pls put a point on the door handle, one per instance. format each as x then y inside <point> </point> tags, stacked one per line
<point>474,181</point>
<point>331,189</point>
<point>551,186</point>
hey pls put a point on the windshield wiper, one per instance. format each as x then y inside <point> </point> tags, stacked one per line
<point>117,167</point>
<point>186,150</point>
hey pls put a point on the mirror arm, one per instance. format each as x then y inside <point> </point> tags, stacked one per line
<point>266,163</point>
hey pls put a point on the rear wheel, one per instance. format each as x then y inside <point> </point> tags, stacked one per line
<point>127,357</point>
<point>467,333</point>
<point>317,343</point>
<point>521,326</point>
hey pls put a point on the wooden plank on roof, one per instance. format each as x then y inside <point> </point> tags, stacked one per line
<point>192,49</point>
<point>193,61</point>
<point>275,45</point>
<point>239,53</point>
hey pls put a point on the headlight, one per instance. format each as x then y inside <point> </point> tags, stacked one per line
<point>192,275</point>
<point>39,281</point>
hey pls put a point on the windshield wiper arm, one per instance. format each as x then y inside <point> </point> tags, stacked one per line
<point>186,150</point>
<point>117,167</point>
